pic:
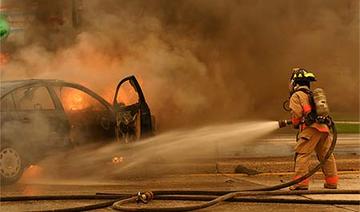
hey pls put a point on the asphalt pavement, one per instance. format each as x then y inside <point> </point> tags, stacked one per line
<point>232,172</point>
<point>230,182</point>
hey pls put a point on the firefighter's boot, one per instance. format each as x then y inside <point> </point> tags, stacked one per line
<point>330,186</point>
<point>331,182</point>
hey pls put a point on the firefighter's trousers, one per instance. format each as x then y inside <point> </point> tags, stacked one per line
<point>310,140</point>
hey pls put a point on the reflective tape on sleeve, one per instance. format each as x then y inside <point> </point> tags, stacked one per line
<point>307,108</point>
<point>295,121</point>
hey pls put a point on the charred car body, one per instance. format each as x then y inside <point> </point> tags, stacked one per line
<point>42,116</point>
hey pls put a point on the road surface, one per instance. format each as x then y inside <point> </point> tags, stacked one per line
<point>224,172</point>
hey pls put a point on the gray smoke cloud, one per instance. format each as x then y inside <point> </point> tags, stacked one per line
<point>201,61</point>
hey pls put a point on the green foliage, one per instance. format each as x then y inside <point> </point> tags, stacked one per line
<point>4,27</point>
<point>348,128</point>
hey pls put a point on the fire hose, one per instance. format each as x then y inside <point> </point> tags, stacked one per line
<point>211,197</point>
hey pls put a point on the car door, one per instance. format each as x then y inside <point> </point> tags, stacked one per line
<point>131,109</point>
<point>41,122</point>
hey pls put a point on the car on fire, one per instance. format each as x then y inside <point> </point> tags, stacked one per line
<point>42,116</point>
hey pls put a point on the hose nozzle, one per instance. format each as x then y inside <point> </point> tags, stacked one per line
<point>284,123</point>
<point>144,197</point>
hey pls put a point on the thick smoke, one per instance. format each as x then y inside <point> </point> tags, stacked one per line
<point>201,61</point>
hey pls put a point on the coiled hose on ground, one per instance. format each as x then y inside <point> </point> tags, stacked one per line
<point>212,197</point>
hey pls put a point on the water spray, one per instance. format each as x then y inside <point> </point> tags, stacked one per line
<point>231,195</point>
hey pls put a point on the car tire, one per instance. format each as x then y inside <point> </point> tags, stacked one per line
<point>12,164</point>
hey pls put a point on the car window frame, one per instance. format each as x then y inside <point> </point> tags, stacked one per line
<point>81,88</point>
<point>13,101</point>
<point>34,85</point>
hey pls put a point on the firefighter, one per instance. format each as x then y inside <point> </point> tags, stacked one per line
<point>313,136</point>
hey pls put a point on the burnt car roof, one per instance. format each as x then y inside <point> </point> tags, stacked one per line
<point>13,84</point>
<point>9,86</point>
<point>17,83</point>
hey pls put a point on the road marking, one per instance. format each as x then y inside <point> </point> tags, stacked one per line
<point>347,122</point>
<point>263,174</point>
<point>355,141</point>
<point>287,139</point>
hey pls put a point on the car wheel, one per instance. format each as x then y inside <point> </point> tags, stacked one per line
<point>11,165</point>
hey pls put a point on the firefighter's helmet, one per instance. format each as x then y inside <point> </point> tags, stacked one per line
<point>301,75</point>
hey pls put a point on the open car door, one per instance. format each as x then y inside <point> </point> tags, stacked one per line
<point>133,116</point>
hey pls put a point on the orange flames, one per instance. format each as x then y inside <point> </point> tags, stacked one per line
<point>74,100</point>
<point>127,95</point>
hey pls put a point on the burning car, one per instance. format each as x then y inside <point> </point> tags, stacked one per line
<point>40,116</point>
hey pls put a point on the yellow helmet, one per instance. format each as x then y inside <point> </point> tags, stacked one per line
<point>301,75</point>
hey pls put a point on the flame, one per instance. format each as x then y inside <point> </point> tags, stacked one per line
<point>74,100</point>
<point>127,94</point>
